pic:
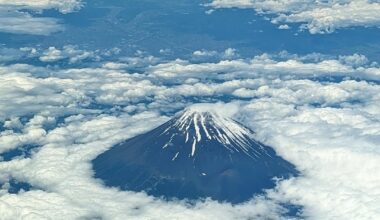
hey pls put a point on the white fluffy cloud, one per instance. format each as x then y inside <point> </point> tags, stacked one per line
<point>319,113</point>
<point>72,53</point>
<point>229,53</point>
<point>316,16</point>
<point>337,150</point>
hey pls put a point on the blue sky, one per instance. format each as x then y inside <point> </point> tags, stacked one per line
<point>77,77</point>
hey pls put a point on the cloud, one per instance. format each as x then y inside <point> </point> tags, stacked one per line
<point>318,17</point>
<point>327,144</point>
<point>10,54</point>
<point>52,54</point>
<point>23,23</point>
<point>284,27</point>
<point>14,20</point>
<point>64,6</point>
<point>270,66</point>
<point>355,60</point>
<point>72,53</point>
<point>319,112</point>
<point>206,55</point>
<point>68,54</point>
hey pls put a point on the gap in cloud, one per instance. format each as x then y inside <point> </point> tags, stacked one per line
<point>25,151</point>
<point>292,210</point>
<point>14,187</point>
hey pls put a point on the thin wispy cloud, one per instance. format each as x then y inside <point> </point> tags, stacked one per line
<point>16,21</point>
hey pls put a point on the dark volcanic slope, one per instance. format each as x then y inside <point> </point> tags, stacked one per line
<point>195,155</point>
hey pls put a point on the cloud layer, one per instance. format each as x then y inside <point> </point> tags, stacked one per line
<point>318,17</point>
<point>321,113</point>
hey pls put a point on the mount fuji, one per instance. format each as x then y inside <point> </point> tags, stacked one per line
<point>197,154</point>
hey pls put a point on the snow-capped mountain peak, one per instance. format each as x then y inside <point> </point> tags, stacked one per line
<point>200,125</point>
